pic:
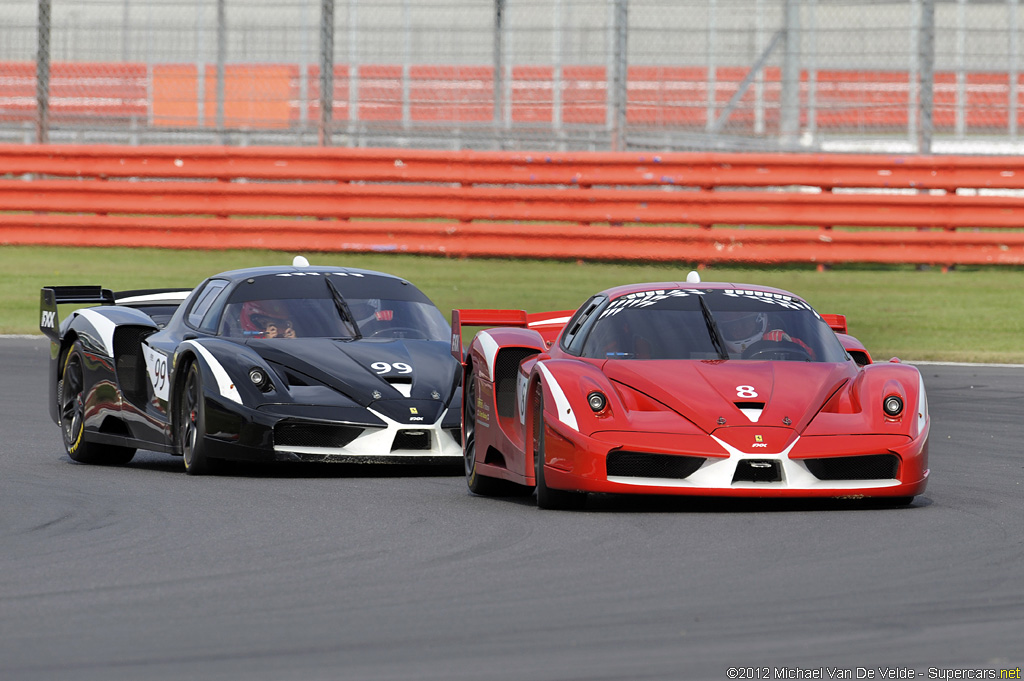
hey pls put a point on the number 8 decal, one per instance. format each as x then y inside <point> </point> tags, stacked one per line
<point>745,391</point>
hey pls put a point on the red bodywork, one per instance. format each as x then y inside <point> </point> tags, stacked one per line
<point>814,421</point>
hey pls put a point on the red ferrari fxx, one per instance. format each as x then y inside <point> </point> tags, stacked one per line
<point>686,388</point>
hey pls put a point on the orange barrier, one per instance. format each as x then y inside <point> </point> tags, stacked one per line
<point>77,90</point>
<point>268,95</point>
<point>698,207</point>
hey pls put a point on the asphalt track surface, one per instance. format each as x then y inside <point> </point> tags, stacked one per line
<point>141,572</point>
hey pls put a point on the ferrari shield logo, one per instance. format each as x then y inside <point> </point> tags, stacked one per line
<point>758,438</point>
<point>412,410</point>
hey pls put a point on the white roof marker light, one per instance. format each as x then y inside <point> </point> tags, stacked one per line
<point>693,277</point>
<point>300,261</point>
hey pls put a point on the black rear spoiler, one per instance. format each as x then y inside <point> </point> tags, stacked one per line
<point>52,296</point>
<point>148,292</point>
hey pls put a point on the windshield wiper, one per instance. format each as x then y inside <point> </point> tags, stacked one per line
<point>716,335</point>
<point>343,310</point>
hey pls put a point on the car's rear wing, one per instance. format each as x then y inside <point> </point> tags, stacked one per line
<point>152,296</point>
<point>461,318</point>
<point>837,322</point>
<point>547,324</point>
<point>52,296</point>
<point>856,349</point>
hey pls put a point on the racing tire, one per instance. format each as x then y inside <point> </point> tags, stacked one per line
<point>191,425</point>
<point>547,497</point>
<point>71,411</point>
<point>482,485</point>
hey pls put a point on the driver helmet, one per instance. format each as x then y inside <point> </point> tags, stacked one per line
<point>257,315</point>
<point>741,329</point>
<point>364,309</point>
<point>370,310</point>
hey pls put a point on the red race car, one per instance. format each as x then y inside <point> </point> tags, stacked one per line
<point>686,388</point>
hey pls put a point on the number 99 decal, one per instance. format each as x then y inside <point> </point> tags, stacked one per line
<point>156,363</point>
<point>382,368</point>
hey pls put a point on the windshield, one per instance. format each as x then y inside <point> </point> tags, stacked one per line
<point>319,318</point>
<point>712,324</point>
<point>306,307</point>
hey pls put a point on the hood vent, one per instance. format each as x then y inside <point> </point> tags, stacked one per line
<point>752,410</point>
<point>402,385</point>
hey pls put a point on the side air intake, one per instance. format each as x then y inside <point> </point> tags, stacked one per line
<point>870,467</point>
<point>314,435</point>
<point>646,465</point>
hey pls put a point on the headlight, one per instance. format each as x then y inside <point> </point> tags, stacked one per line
<point>597,401</point>
<point>260,379</point>
<point>892,405</point>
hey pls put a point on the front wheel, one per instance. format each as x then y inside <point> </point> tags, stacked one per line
<point>191,422</point>
<point>71,408</point>
<point>547,497</point>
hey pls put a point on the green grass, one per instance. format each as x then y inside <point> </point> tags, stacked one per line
<point>968,314</point>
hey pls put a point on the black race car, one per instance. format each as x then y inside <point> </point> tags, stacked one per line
<point>292,363</point>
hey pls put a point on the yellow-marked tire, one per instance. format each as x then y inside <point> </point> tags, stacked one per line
<point>71,400</point>
<point>478,484</point>
<point>191,425</point>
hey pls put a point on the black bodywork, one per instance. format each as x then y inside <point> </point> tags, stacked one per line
<point>366,374</point>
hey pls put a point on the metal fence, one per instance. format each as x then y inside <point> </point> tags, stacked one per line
<point>910,75</point>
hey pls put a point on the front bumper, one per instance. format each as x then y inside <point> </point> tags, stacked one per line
<point>699,464</point>
<point>325,435</point>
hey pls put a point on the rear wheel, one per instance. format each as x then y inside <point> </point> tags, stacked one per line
<point>191,423</point>
<point>548,497</point>
<point>71,408</point>
<point>478,484</point>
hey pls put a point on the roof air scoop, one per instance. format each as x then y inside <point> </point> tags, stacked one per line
<point>752,410</point>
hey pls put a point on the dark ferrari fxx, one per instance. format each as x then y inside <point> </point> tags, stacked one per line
<point>292,363</point>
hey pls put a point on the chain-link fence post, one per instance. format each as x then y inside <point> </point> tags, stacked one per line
<point>406,64</point>
<point>200,57</point>
<point>789,115</point>
<point>499,62</point>
<point>760,42</point>
<point>960,125</point>
<point>926,54</point>
<point>222,47</point>
<point>43,74</point>
<point>557,50</point>
<point>811,64</point>
<point>1013,71</point>
<point>326,71</point>
<point>354,75</point>
<point>125,23</point>
<point>914,72</point>
<point>618,86</point>
<point>711,110</point>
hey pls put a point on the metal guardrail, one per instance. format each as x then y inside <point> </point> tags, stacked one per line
<point>699,207</point>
